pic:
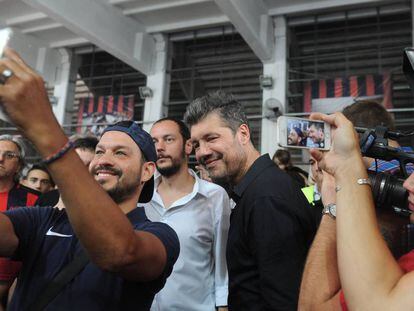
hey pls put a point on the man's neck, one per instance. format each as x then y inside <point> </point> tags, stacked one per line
<point>252,156</point>
<point>6,184</point>
<point>174,187</point>
<point>128,205</point>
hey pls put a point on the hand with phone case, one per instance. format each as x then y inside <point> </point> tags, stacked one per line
<point>344,151</point>
<point>24,99</point>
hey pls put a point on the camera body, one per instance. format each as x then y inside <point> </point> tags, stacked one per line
<point>387,189</point>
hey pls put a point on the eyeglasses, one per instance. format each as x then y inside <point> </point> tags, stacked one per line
<point>9,155</point>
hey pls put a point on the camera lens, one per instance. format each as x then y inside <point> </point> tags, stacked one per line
<point>388,191</point>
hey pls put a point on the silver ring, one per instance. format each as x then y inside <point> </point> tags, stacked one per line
<point>5,75</point>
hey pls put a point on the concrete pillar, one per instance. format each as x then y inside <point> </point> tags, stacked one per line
<point>158,82</point>
<point>64,92</point>
<point>277,69</point>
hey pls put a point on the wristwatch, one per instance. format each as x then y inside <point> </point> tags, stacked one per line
<point>330,210</point>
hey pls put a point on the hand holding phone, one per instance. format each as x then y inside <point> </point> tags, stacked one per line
<point>303,133</point>
<point>5,35</point>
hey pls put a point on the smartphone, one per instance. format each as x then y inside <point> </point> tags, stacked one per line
<point>303,133</point>
<point>5,35</point>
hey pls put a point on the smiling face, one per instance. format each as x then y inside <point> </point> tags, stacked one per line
<point>293,138</point>
<point>9,160</point>
<point>118,166</point>
<point>316,134</point>
<point>171,149</point>
<point>220,150</point>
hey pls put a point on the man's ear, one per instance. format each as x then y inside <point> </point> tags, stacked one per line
<point>188,147</point>
<point>148,170</point>
<point>243,134</point>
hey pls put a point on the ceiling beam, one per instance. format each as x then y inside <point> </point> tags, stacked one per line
<point>189,24</point>
<point>306,6</point>
<point>104,26</point>
<point>162,6</point>
<point>31,30</point>
<point>119,1</point>
<point>67,43</point>
<point>252,21</point>
<point>18,20</point>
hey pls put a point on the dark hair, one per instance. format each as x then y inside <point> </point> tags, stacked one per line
<point>283,156</point>
<point>224,104</point>
<point>43,168</point>
<point>298,131</point>
<point>88,142</point>
<point>184,131</point>
<point>131,123</point>
<point>368,113</point>
<point>317,125</point>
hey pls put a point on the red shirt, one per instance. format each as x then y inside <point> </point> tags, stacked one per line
<point>18,196</point>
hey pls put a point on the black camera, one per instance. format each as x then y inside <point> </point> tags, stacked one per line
<point>387,189</point>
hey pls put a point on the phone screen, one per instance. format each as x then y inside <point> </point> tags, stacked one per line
<point>305,133</point>
<point>5,35</point>
<point>4,39</point>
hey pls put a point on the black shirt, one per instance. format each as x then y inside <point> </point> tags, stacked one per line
<point>47,243</point>
<point>271,230</point>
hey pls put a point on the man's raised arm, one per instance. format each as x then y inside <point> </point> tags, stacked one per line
<point>99,223</point>
<point>320,285</point>
<point>370,277</point>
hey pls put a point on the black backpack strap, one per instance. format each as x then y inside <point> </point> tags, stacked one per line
<point>67,274</point>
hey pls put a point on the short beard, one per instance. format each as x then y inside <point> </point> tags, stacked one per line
<point>174,168</point>
<point>120,194</point>
<point>223,181</point>
<point>170,170</point>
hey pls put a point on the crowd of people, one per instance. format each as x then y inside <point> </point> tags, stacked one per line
<point>122,222</point>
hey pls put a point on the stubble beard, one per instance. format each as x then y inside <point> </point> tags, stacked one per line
<point>174,168</point>
<point>119,193</point>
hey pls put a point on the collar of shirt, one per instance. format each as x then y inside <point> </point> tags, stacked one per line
<point>255,170</point>
<point>199,187</point>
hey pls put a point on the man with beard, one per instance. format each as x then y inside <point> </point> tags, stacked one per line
<point>316,135</point>
<point>129,256</point>
<point>296,137</point>
<point>199,212</point>
<point>12,195</point>
<point>271,226</point>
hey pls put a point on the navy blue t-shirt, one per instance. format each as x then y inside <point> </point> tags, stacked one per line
<point>47,243</point>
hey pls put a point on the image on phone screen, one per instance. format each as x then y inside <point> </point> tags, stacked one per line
<point>305,133</point>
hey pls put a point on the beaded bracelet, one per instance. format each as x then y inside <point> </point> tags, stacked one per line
<point>58,154</point>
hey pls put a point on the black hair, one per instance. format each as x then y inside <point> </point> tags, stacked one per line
<point>283,156</point>
<point>369,114</point>
<point>184,131</point>
<point>224,104</point>
<point>43,168</point>
<point>88,143</point>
